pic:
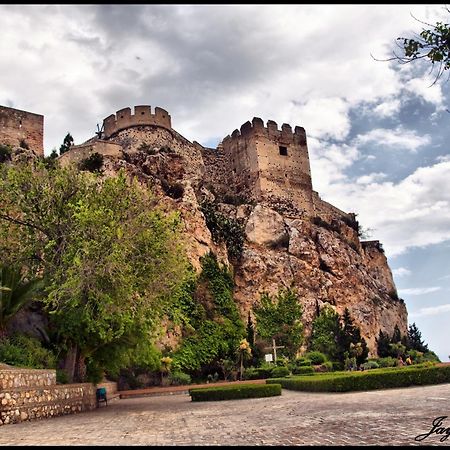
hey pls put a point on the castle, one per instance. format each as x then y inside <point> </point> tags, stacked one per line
<point>257,162</point>
<point>260,163</point>
<point>261,175</point>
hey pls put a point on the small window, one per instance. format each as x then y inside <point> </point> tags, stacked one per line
<point>142,112</point>
<point>283,150</point>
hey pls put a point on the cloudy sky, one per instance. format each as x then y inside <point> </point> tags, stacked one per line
<point>378,133</point>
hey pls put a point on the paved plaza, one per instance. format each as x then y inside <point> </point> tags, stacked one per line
<point>387,417</point>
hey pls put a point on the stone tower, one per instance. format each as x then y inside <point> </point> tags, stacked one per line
<point>269,164</point>
<point>18,127</point>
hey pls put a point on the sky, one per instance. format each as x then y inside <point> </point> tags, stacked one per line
<point>378,132</point>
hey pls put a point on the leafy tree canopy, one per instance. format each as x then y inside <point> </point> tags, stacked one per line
<point>279,317</point>
<point>108,255</point>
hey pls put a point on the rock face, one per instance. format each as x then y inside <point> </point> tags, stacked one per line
<point>316,250</point>
<point>326,269</point>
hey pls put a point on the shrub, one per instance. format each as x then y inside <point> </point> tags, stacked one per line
<point>303,370</point>
<point>24,144</point>
<point>253,373</point>
<point>370,365</point>
<point>280,372</point>
<point>224,229</point>
<point>302,361</point>
<point>235,392</point>
<point>61,376</point>
<point>92,163</point>
<point>24,351</point>
<point>316,358</point>
<point>327,366</point>
<point>362,381</point>
<point>388,361</point>
<point>174,191</point>
<point>144,147</point>
<point>178,378</point>
<point>5,153</point>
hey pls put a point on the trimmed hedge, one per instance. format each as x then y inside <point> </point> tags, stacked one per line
<point>367,380</point>
<point>235,392</point>
<point>257,373</point>
<point>280,372</point>
<point>303,370</point>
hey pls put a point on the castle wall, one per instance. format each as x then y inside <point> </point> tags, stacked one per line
<point>17,125</point>
<point>326,210</point>
<point>142,116</point>
<point>79,152</point>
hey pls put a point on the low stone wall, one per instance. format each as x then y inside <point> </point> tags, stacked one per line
<point>35,403</point>
<point>18,378</point>
<point>79,152</point>
<point>27,394</point>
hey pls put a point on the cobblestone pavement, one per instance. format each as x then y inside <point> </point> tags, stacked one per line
<point>388,417</point>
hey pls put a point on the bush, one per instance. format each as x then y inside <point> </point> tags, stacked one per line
<point>316,358</point>
<point>253,373</point>
<point>337,365</point>
<point>24,144</point>
<point>280,372</point>
<point>327,366</point>
<point>178,378</point>
<point>388,361</point>
<point>235,392</point>
<point>364,381</point>
<point>61,376</point>
<point>302,361</point>
<point>5,153</point>
<point>93,163</point>
<point>370,365</point>
<point>24,351</point>
<point>303,370</point>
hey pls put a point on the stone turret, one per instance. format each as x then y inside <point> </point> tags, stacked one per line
<point>142,116</point>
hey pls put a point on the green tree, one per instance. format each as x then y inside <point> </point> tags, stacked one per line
<point>383,342</point>
<point>67,144</point>
<point>350,340</point>
<point>15,292</point>
<point>326,331</point>
<point>396,335</point>
<point>109,256</point>
<point>279,318</point>
<point>414,341</point>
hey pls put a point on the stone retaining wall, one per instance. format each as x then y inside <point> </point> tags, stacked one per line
<point>27,394</point>
<point>17,378</point>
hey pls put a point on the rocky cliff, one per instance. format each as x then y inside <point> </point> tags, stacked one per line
<point>320,255</point>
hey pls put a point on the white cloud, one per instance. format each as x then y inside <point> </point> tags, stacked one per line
<point>419,291</point>
<point>398,139</point>
<point>388,108</point>
<point>370,178</point>
<point>213,67</point>
<point>401,272</point>
<point>424,88</point>
<point>431,311</point>
<point>413,212</point>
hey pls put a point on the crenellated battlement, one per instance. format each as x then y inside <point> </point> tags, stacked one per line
<point>142,116</point>
<point>256,128</point>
